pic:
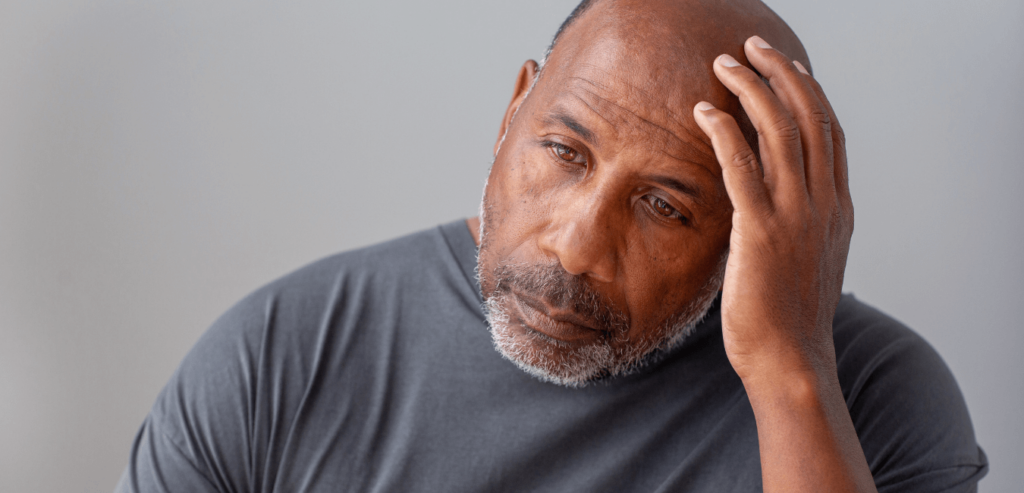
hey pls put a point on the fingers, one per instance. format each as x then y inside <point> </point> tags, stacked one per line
<point>794,123</point>
<point>795,93</point>
<point>802,147</point>
<point>841,176</point>
<point>744,181</point>
<point>778,134</point>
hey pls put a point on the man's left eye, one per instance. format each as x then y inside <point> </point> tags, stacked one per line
<point>567,154</point>
<point>663,208</point>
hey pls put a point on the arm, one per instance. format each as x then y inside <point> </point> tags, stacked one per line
<point>792,222</point>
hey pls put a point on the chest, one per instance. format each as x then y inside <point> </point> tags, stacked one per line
<point>490,431</point>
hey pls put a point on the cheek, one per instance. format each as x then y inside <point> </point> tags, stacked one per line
<point>525,180</point>
<point>514,211</point>
<point>519,200</point>
<point>661,282</point>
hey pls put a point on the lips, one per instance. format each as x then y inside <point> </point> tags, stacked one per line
<point>562,326</point>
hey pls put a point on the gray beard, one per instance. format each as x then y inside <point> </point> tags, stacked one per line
<point>573,365</point>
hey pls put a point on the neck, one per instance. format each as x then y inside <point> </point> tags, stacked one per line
<point>473,224</point>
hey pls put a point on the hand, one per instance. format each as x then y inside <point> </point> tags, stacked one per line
<point>791,226</point>
<point>792,218</point>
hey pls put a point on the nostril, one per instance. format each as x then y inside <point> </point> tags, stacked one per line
<point>587,256</point>
<point>581,239</point>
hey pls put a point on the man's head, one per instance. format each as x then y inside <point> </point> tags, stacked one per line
<point>605,221</point>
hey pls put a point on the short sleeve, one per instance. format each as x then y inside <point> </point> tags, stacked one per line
<point>197,437</point>
<point>158,464</point>
<point>909,413</point>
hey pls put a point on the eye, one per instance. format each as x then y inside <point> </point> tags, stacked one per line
<point>664,209</point>
<point>567,154</point>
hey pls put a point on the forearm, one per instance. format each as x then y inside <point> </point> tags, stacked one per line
<point>807,440</point>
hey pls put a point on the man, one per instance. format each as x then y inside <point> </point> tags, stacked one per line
<point>662,242</point>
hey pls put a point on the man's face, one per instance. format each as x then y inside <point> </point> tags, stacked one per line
<point>605,219</point>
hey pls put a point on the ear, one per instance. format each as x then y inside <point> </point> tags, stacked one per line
<point>523,82</point>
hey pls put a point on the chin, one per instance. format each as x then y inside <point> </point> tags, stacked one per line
<point>579,364</point>
<point>550,360</point>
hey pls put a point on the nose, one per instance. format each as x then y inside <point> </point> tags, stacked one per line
<point>582,236</point>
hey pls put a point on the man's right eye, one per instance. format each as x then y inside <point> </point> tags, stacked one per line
<point>567,154</point>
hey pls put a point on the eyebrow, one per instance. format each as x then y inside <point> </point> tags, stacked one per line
<point>572,124</point>
<point>674,184</point>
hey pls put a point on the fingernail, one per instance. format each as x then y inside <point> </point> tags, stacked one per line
<point>760,43</point>
<point>728,61</point>
<point>704,106</point>
<point>800,67</point>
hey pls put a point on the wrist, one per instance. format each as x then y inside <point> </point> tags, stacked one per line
<point>800,388</point>
<point>794,387</point>
<point>804,429</point>
<point>787,352</point>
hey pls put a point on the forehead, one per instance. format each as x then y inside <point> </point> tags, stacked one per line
<point>639,84</point>
<point>626,112</point>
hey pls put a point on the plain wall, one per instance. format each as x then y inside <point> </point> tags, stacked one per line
<point>160,160</point>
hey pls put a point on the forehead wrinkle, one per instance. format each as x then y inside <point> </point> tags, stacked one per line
<point>668,136</point>
<point>644,95</point>
<point>559,116</point>
<point>684,159</point>
<point>615,129</point>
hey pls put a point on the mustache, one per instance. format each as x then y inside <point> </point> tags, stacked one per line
<point>562,291</point>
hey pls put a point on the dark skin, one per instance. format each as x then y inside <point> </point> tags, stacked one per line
<point>627,164</point>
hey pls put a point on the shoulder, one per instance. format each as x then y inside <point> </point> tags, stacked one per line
<point>425,252</point>
<point>873,348</point>
<point>241,384</point>
<point>298,302</point>
<point>362,277</point>
<point>299,298</point>
<point>871,345</point>
<point>905,404</point>
<point>339,299</point>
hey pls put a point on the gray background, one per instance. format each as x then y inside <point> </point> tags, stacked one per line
<point>159,160</point>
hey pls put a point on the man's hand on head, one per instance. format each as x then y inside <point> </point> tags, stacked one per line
<point>791,228</point>
<point>792,218</point>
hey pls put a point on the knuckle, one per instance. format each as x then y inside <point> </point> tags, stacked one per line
<point>840,135</point>
<point>820,118</point>
<point>744,161</point>
<point>782,129</point>
<point>840,220</point>
<point>837,219</point>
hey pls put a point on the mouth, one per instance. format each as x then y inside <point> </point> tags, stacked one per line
<point>559,325</point>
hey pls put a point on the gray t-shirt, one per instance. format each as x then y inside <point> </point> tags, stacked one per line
<point>373,370</point>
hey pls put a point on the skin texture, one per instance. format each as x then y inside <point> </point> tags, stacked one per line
<point>637,95</point>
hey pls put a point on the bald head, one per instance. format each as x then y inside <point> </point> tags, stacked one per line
<point>764,20</point>
<point>665,48</point>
